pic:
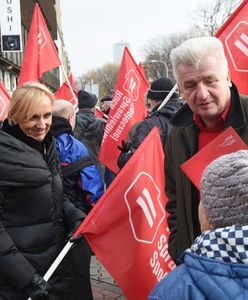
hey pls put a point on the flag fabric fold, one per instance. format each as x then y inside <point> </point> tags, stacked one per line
<point>99,113</point>
<point>65,93</point>
<point>234,36</point>
<point>127,108</point>
<point>40,54</point>
<point>4,101</point>
<point>127,229</point>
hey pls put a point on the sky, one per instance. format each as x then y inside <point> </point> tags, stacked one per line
<point>92,27</point>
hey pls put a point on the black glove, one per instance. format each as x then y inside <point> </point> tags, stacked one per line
<point>38,288</point>
<point>78,238</point>
<point>125,147</point>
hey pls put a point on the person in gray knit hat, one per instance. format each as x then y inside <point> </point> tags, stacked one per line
<point>216,265</point>
<point>224,190</point>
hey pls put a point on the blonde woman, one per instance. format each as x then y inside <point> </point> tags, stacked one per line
<point>33,212</point>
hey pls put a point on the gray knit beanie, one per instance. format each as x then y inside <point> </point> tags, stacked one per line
<point>224,190</point>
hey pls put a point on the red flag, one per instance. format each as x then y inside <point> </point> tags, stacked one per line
<point>99,113</point>
<point>4,101</point>
<point>127,108</point>
<point>40,53</point>
<point>132,242</point>
<point>64,91</point>
<point>234,35</point>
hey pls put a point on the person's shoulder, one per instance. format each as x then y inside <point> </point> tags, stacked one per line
<point>244,99</point>
<point>171,285</point>
<point>79,147</point>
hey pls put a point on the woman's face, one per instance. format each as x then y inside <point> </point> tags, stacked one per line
<point>39,124</point>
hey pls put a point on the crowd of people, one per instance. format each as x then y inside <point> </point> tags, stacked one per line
<point>51,178</point>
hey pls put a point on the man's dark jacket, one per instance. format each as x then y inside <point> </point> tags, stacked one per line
<point>34,216</point>
<point>183,197</point>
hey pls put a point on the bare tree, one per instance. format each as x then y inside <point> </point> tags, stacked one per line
<point>105,77</point>
<point>157,52</point>
<point>214,13</point>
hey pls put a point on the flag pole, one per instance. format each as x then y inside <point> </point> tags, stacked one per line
<point>57,261</point>
<point>69,84</point>
<point>167,98</point>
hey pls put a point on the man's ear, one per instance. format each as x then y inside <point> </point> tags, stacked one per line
<point>70,118</point>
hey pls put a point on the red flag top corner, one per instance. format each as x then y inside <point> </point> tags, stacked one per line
<point>127,108</point>
<point>40,54</point>
<point>234,36</point>
<point>64,92</point>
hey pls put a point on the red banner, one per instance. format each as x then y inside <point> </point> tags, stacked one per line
<point>99,113</point>
<point>4,101</point>
<point>127,229</point>
<point>40,53</point>
<point>127,108</point>
<point>234,35</point>
<point>65,93</point>
<point>227,142</point>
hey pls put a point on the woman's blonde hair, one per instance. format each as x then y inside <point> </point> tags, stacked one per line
<point>25,100</point>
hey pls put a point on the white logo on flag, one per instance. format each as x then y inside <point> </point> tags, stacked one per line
<point>131,85</point>
<point>237,39</point>
<point>147,206</point>
<point>146,212</point>
<point>41,38</point>
<point>241,45</point>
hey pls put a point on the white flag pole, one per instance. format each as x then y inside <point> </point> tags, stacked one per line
<point>167,98</point>
<point>57,261</point>
<point>69,84</point>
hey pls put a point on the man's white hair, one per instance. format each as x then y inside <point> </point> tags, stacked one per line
<point>191,53</point>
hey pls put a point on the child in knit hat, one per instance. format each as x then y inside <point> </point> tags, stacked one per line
<point>216,265</point>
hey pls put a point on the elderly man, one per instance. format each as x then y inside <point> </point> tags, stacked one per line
<point>212,104</point>
<point>216,265</point>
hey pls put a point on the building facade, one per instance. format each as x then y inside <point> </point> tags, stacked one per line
<point>10,62</point>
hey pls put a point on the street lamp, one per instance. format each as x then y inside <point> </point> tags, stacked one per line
<point>162,62</point>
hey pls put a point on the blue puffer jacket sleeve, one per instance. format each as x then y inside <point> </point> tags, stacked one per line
<point>70,150</point>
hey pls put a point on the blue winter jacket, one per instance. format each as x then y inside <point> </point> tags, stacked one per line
<point>203,278</point>
<point>70,150</point>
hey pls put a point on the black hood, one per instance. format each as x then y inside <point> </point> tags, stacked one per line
<point>60,125</point>
<point>169,109</point>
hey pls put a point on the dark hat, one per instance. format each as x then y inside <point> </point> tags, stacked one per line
<point>86,100</point>
<point>106,98</point>
<point>224,190</point>
<point>160,88</point>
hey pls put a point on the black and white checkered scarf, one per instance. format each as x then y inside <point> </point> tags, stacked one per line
<point>229,244</point>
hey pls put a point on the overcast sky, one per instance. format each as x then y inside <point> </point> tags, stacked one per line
<point>92,27</point>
